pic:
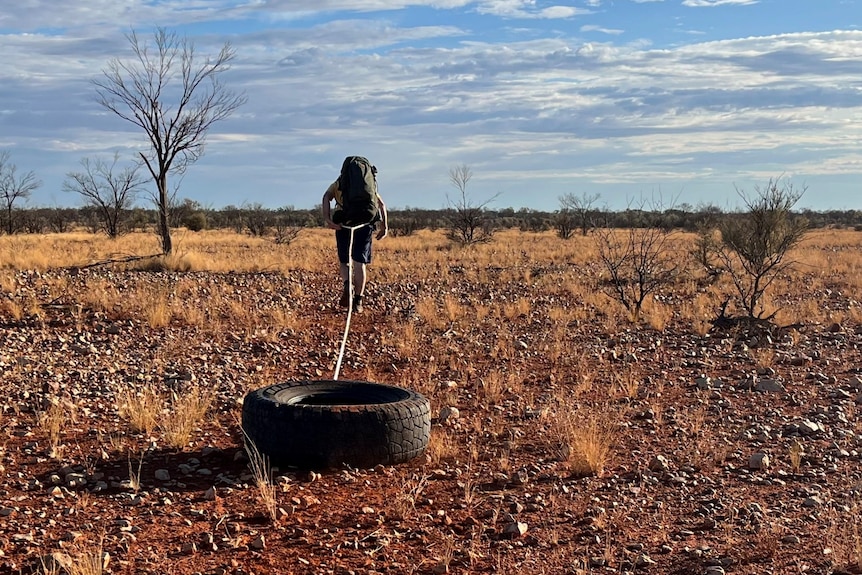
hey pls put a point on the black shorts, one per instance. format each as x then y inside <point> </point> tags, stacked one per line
<point>361,244</point>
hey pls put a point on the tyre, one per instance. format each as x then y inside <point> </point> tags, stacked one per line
<point>328,423</point>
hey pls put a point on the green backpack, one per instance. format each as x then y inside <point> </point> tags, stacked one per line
<point>358,185</point>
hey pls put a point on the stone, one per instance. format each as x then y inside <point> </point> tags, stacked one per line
<point>76,480</point>
<point>163,475</point>
<point>808,427</point>
<point>703,383</point>
<point>210,494</point>
<point>258,543</point>
<point>659,464</point>
<point>515,529</point>
<point>758,461</point>
<point>449,413</point>
<point>769,386</point>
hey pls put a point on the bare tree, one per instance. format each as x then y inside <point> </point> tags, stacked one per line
<point>639,260</point>
<point>754,247</point>
<point>14,187</point>
<point>175,97</point>
<point>581,207</point>
<point>109,191</point>
<point>468,223</point>
<point>564,223</point>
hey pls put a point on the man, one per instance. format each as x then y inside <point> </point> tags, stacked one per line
<point>358,203</point>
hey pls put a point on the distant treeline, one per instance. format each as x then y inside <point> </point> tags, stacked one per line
<point>257,220</point>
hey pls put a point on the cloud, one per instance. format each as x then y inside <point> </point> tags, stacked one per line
<point>709,3</point>
<point>419,95</point>
<point>526,9</point>
<point>594,28</point>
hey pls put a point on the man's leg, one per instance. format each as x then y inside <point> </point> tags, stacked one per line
<point>344,301</point>
<point>361,258</point>
<point>358,278</point>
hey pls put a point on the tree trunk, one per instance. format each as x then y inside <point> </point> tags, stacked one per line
<point>164,227</point>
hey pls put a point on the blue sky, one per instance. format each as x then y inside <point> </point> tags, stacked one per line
<point>689,100</point>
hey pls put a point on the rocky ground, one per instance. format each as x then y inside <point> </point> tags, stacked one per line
<point>734,451</point>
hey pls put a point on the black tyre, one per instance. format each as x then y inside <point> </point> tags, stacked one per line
<point>327,423</point>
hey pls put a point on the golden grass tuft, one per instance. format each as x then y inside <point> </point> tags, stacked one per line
<point>140,407</point>
<point>184,415</point>
<point>262,473</point>
<point>52,421</point>
<point>587,436</point>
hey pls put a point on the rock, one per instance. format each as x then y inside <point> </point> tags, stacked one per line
<point>71,535</point>
<point>812,502</point>
<point>643,560</point>
<point>208,541</point>
<point>520,477</point>
<point>769,386</point>
<point>163,475</point>
<point>189,548</point>
<point>791,540</point>
<point>210,494</point>
<point>703,383</point>
<point>758,461</point>
<point>659,464</point>
<point>449,413</point>
<point>515,529</point>
<point>258,543</point>
<point>808,427</point>
<point>75,480</point>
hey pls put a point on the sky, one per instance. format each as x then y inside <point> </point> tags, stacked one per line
<point>674,102</point>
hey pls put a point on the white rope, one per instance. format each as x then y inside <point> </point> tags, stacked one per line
<point>349,299</point>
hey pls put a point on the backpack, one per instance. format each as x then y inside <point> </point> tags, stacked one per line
<point>358,185</point>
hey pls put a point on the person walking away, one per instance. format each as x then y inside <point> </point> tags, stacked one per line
<point>357,203</point>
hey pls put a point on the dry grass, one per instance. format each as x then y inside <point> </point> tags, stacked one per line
<point>85,561</point>
<point>140,407</point>
<point>135,474</point>
<point>441,447</point>
<point>404,504</point>
<point>53,420</point>
<point>184,415</point>
<point>796,453</point>
<point>262,473</point>
<point>587,435</point>
<point>88,562</point>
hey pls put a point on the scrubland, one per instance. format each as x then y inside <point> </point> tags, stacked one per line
<point>568,436</point>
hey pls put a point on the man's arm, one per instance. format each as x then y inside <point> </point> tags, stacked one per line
<point>384,219</point>
<point>326,208</point>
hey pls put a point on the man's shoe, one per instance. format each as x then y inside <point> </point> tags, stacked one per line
<point>357,304</point>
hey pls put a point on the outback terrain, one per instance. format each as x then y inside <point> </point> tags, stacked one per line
<point>568,437</point>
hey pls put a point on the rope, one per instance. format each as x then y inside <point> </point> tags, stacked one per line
<point>349,300</point>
